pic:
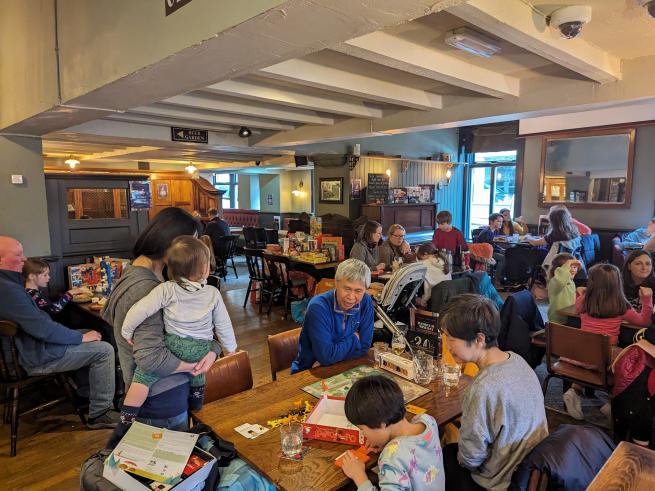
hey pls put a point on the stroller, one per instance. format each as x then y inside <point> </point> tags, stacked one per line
<point>396,298</point>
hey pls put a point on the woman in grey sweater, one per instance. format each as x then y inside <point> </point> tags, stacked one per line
<point>366,248</point>
<point>167,402</point>
<point>503,415</point>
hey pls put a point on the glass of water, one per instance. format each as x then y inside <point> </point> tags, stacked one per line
<point>291,435</point>
<point>450,375</point>
<point>423,363</point>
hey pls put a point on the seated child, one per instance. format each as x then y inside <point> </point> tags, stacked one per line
<point>37,276</point>
<point>193,313</point>
<point>561,288</point>
<point>602,306</point>
<point>437,271</point>
<point>446,236</point>
<point>411,456</point>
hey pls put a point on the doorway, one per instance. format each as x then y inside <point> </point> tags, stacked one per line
<point>491,186</point>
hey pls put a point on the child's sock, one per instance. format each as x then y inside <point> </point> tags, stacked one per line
<point>128,415</point>
<point>196,397</point>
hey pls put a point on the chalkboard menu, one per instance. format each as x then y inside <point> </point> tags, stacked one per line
<point>424,333</point>
<point>377,189</point>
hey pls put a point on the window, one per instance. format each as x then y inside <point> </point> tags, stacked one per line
<point>230,187</point>
<point>96,203</point>
<point>492,186</point>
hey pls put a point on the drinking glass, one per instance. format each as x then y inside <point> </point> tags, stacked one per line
<point>379,348</point>
<point>291,436</point>
<point>398,343</point>
<point>422,368</point>
<point>451,375</point>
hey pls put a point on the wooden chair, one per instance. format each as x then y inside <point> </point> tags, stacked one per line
<point>278,268</point>
<point>229,375</point>
<point>586,347</point>
<point>224,249</point>
<point>272,236</point>
<point>257,276</point>
<point>282,349</point>
<point>13,379</point>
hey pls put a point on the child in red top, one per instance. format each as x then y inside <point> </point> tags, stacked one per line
<point>446,236</point>
<point>602,307</point>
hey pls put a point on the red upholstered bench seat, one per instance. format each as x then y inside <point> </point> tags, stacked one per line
<point>241,218</point>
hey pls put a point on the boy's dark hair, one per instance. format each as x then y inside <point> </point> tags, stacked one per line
<point>169,223</point>
<point>557,262</point>
<point>444,216</point>
<point>374,400</point>
<point>469,314</point>
<point>186,258</point>
<point>34,266</point>
<point>494,216</point>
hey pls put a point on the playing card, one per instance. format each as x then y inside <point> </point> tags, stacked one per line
<point>258,430</point>
<point>250,431</point>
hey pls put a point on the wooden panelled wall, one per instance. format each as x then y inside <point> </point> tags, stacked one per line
<point>450,197</point>
<point>183,192</point>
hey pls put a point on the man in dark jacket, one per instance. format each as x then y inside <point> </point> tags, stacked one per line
<point>45,346</point>
<point>216,227</point>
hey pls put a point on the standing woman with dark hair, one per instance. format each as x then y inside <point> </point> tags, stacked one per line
<point>366,248</point>
<point>637,272</point>
<point>167,402</point>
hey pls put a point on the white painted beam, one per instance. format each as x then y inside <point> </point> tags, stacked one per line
<point>210,117</point>
<point>199,101</point>
<point>337,80</point>
<point>154,120</point>
<point>289,97</point>
<point>396,52</point>
<point>516,22</point>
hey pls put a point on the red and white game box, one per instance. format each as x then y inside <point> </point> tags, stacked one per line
<point>328,422</point>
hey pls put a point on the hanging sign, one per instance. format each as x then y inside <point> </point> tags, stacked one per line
<point>189,135</point>
<point>172,5</point>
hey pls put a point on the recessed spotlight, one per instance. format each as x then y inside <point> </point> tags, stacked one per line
<point>244,132</point>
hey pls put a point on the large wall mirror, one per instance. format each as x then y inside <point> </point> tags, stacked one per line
<point>587,169</point>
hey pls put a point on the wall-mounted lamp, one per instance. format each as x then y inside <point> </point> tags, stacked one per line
<point>298,191</point>
<point>388,172</point>
<point>191,169</point>
<point>445,182</point>
<point>71,162</point>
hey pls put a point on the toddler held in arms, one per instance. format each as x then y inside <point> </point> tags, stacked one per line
<point>193,313</point>
<point>411,455</point>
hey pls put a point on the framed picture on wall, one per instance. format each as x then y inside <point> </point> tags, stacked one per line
<point>330,190</point>
<point>355,189</point>
<point>162,190</point>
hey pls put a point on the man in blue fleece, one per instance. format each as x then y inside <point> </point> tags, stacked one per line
<point>339,323</point>
<point>45,346</point>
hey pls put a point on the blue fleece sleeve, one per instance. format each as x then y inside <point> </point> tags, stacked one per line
<point>366,325</point>
<point>319,324</point>
<point>34,321</point>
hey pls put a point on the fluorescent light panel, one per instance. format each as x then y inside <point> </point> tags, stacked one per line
<point>472,42</point>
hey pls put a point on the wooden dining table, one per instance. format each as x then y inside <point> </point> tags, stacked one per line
<point>317,470</point>
<point>630,467</point>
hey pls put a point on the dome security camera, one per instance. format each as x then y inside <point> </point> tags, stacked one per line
<point>569,20</point>
<point>649,5</point>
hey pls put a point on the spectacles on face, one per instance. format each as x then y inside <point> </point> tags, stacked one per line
<point>401,236</point>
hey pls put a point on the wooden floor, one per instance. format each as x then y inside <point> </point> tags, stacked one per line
<point>52,445</point>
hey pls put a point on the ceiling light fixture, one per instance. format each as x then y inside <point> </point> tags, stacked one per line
<point>71,162</point>
<point>191,169</point>
<point>388,172</point>
<point>244,132</point>
<point>472,42</point>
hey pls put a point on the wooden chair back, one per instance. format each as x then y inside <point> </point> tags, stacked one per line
<point>282,349</point>
<point>278,267</point>
<point>586,347</point>
<point>272,236</point>
<point>254,261</point>
<point>229,375</point>
<point>10,369</point>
